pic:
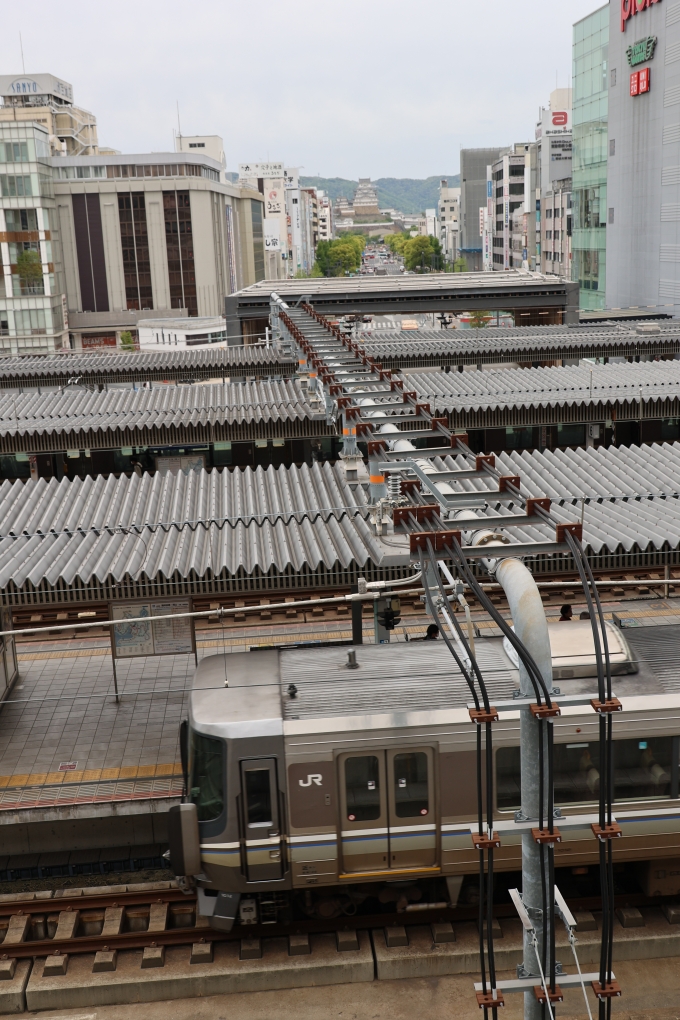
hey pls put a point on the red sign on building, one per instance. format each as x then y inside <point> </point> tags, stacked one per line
<point>640,81</point>
<point>631,7</point>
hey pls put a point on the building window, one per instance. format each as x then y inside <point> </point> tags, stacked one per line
<point>14,186</point>
<point>612,75</point>
<point>21,219</point>
<point>135,242</point>
<point>548,214</point>
<point>231,248</point>
<point>258,239</point>
<point>197,145</point>
<point>87,225</point>
<point>179,243</point>
<point>612,146</point>
<point>611,214</point>
<point>14,152</point>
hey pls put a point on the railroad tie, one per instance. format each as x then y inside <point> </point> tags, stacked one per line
<point>17,929</point>
<point>395,936</point>
<point>298,945</point>
<point>158,917</point>
<point>153,956</point>
<point>347,941</point>
<point>201,952</point>
<point>55,965</point>
<point>251,949</point>
<point>105,959</point>
<point>442,933</point>
<point>67,924</point>
<point>113,921</point>
<point>7,969</point>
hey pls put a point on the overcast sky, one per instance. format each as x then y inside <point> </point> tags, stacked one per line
<point>379,88</point>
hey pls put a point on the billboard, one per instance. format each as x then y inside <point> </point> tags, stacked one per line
<point>265,170</point>
<point>272,235</point>
<point>35,85</point>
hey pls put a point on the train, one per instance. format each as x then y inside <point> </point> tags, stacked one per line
<point>329,773</point>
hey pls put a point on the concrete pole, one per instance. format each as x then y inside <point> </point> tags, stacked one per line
<point>531,628</point>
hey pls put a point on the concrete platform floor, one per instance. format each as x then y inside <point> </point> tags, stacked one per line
<point>65,741</point>
<point>651,992</point>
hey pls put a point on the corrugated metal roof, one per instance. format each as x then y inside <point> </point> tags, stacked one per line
<point>79,417</point>
<point>536,343</point>
<point>632,494</point>
<point>97,533</point>
<point>522,387</point>
<point>68,533</point>
<point>142,365</point>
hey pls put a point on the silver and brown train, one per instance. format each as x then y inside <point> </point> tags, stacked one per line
<point>328,770</point>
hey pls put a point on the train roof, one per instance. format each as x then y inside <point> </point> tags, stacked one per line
<point>268,688</point>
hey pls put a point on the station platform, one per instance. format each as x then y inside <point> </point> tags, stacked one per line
<point>80,772</point>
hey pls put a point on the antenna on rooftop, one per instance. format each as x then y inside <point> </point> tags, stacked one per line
<point>179,127</point>
<point>21,46</point>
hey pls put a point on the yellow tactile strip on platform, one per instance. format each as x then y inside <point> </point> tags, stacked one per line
<point>90,775</point>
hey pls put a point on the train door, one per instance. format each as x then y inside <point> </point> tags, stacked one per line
<point>388,810</point>
<point>411,803</point>
<point>262,825</point>
<point>363,800</point>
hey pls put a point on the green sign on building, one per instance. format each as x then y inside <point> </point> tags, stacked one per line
<point>641,50</point>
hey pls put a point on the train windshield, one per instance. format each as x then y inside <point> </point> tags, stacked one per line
<point>207,776</point>
<point>642,771</point>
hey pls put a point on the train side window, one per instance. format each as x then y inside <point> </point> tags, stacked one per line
<point>207,776</point>
<point>410,784</point>
<point>362,788</point>
<point>642,771</point>
<point>258,797</point>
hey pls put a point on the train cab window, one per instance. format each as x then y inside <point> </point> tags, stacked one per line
<point>362,788</point>
<point>642,771</point>
<point>258,797</point>
<point>207,776</point>
<point>410,784</point>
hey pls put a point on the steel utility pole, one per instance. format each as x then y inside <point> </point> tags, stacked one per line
<point>531,627</point>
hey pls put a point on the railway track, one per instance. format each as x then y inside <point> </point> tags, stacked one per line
<point>95,948</point>
<point>91,922</point>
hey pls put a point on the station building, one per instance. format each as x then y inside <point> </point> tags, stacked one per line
<point>643,156</point>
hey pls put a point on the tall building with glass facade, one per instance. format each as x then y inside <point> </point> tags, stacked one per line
<point>32,305</point>
<point>589,167</point>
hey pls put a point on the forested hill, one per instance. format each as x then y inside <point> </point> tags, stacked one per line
<point>406,194</point>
